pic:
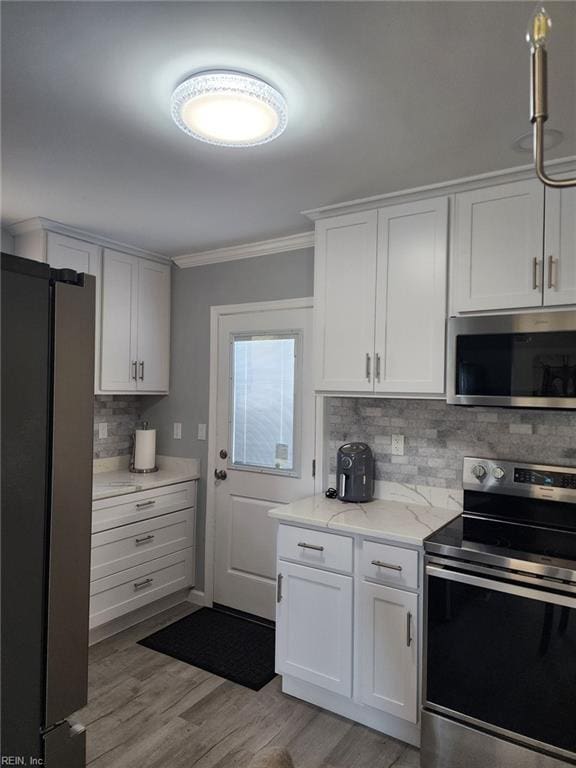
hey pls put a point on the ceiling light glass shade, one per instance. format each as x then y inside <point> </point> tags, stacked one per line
<point>229,109</point>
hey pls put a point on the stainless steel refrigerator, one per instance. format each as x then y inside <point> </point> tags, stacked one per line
<point>47,439</point>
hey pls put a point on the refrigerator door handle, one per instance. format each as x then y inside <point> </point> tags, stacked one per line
<point>71,503</point>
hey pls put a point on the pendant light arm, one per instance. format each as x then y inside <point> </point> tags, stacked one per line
<point>539,159</point>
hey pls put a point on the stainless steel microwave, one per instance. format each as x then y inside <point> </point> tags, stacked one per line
<point>524,360</point>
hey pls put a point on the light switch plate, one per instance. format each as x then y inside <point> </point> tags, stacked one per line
<point>102,430</point>
<point>398,445</point>
<point>201,431</point>
<point>177,430</point>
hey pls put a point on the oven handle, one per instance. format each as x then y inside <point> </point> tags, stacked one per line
<point>440,572</point>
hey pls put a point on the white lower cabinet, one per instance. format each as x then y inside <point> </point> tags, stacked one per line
<point>388,641</point>
<point>314,626</point>
<point>344,641</point>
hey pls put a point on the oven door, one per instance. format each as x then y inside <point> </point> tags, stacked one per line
<point>524,360</point>
<point>502,656</point>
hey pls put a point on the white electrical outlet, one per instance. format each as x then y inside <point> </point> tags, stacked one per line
<point>177,430</point>
<point>102,430</point>
<point>201,431</point>
<point>398,445</point>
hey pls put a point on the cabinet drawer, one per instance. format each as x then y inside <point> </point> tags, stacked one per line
<point>389,565</point>
<point>130,545</point>
<point>116,595</point>
<point>325,550</point>
<point>135,507</point>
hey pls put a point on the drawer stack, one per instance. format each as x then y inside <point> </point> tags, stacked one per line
<point>142,549</point>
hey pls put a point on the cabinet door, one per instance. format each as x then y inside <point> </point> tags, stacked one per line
<point>388,637</point>
<point>119,321</point>
<point>153,326</point>
<point>67,252</point>
<point>560,247</point>
<point>344,291</point>
<point>498,243</point>
<point>411,297</point>
<point>314,627</point>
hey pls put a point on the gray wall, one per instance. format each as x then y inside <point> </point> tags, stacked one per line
<point>7,242</point>
<point>438,436</point>
<point>194,291</point>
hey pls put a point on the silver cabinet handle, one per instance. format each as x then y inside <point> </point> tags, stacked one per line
<point>378,368</point>
<point>551,272</point>
<point>315,547</point>
<point>141,584</point>
<point>143,504</point>
<point>134,369</point>
<point>409,629</point>
<point>142,370</point>
<point>535,270</point>
<point>381,564</point>
<point>368,367</point>
<point>279,588</point>
<point>144,539</point>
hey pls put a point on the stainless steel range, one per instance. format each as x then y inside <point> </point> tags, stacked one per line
<point>500,624</point>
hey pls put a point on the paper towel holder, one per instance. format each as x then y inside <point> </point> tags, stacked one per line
<point>133,455</point>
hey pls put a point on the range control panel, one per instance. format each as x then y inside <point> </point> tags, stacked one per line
<point>515,479</point>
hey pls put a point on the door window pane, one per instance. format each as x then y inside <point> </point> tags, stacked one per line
<point>263,401</point>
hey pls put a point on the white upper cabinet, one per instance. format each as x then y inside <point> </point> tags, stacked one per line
<point>498,241</point>
<point>560,247</point>
<point>153,326</point>
<point>64,252</point>
<point>380,299</point>
<point>344,297</point>
<point>119,322</point>
<point>411,297</point>
<point>135,324</point>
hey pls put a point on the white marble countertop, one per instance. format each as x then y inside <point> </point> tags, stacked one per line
<point>113,478</point>
<point>394,521</point>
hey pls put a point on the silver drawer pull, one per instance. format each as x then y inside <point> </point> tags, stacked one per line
<point>380,564</point>
<point>141,584</point>
<point>315,547</point>
<point>146,504</point>
<point>144,539</point>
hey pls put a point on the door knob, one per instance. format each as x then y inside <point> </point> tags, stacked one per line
<point>220,474</point>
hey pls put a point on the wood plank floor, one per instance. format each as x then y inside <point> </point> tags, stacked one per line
<point>147,710</point>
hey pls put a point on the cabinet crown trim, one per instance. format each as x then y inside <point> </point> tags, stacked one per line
<point>247,250</point>
<point>39,223</point>
<point>567,164</point>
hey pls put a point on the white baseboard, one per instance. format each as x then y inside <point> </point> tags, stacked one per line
<point>372,718</point>
<point>199,597</point>
<point>135,617</point>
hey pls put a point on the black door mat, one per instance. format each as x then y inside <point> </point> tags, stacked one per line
<point>230,646</point>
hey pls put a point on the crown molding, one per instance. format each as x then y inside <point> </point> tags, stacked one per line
<point>39,223</point>
<point>431,190</point>
<point>246,251</point>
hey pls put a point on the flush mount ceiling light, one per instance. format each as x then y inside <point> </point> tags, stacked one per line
<point>229,108</point>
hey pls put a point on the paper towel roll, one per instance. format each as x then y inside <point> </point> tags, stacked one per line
<point>145,449</point>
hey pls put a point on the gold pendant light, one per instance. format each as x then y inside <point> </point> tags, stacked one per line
<point>537,36</point>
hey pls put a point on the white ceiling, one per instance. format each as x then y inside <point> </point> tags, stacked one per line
<point>382,96</point>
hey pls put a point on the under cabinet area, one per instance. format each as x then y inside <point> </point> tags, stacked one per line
<point>143,549</point>
<point>348,626</point>
<point>380,299</point>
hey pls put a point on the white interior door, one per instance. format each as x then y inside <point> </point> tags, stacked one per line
<point>264,446</point>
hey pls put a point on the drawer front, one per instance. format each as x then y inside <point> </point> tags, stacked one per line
<point>325,550</point>
<point>134,507</point>
<point>123,592</point>
<point>390,565</point>
<point>130,545</point>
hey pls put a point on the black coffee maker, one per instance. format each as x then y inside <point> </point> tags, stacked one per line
<point>355,472</point>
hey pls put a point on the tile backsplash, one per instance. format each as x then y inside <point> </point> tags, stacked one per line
<point>438,436</point>
<point>122,413</point>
